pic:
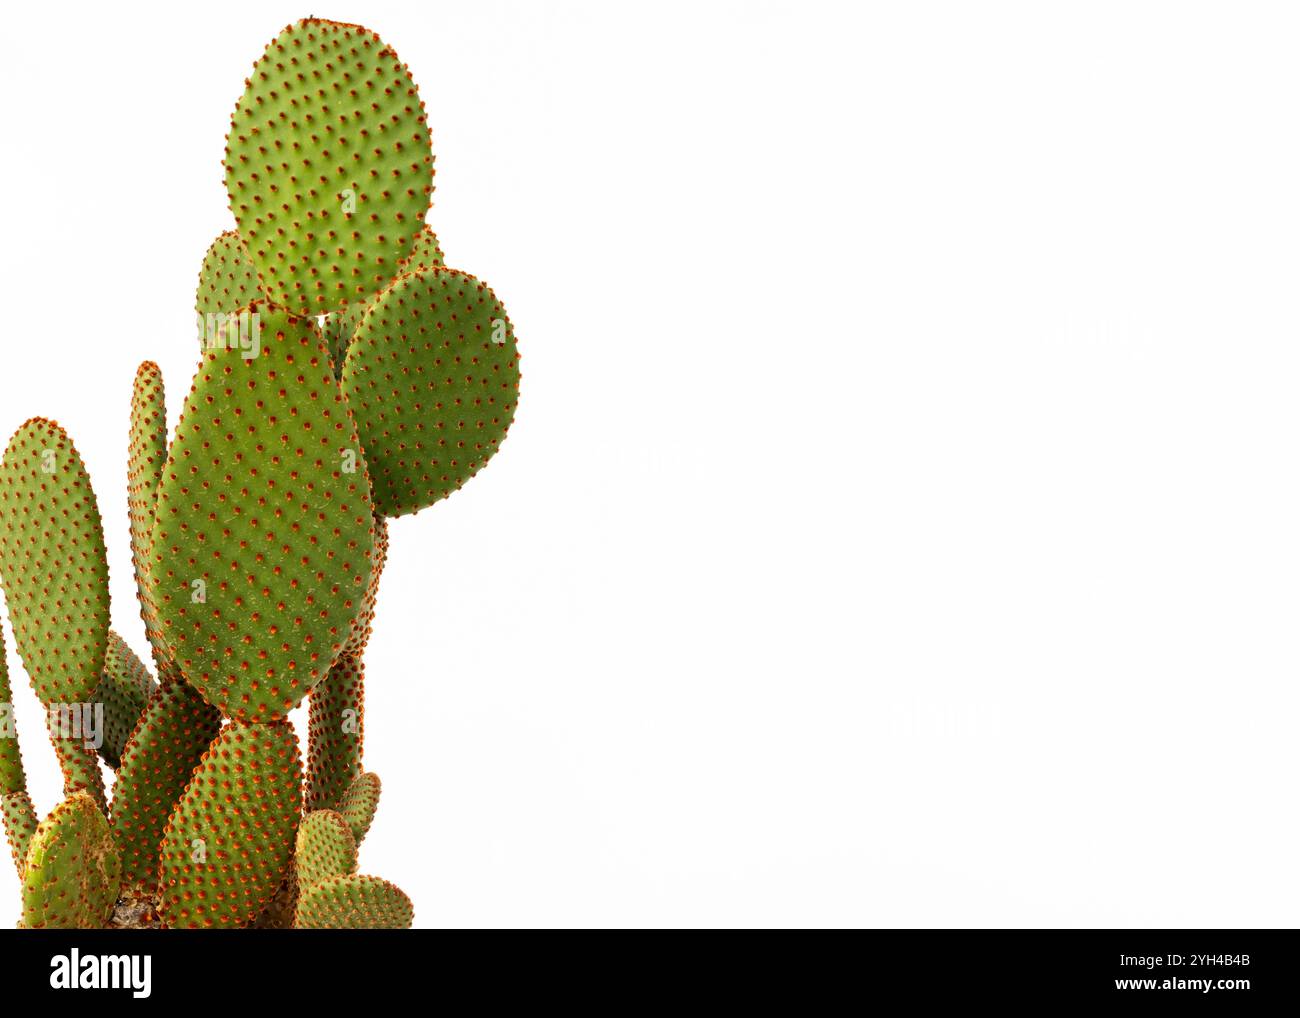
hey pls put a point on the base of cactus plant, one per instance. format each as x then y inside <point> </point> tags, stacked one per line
<point>136,911</point>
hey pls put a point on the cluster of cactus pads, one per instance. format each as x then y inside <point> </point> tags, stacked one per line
<point>346,376</point>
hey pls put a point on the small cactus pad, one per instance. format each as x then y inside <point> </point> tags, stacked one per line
<point>263,540</point>
<point>328,166</point>
<point>20,824</point>
<point>229,841</point>
<point>335,732</point>
<point>124,690</point>
<point>227,282</point>
<point>53,563</point>
<point>359,803</point>
<point>325,848</point>
<point>72,872</point>
<point>432,377</point>
<point>12,776</point>
<point>146,453</point>
<point>426,254</point>
<point>176,728</point>
<point>340,325</point>
<point>353,903</point>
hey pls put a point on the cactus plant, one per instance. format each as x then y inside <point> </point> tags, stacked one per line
<point>346,376</point>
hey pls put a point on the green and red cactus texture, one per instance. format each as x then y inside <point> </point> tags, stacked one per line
<point>346,375</point>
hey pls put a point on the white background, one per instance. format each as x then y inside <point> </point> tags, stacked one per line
<point>901,524</point>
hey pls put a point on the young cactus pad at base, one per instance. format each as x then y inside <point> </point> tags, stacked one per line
<point>325,848</point>
<point>72,872</point>
<point>353,903</point>
<point>229,841</point>
<point>263,541</point>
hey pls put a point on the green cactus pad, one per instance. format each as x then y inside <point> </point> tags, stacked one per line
<point>20,825</point>
<point>72,872</point>
<point>124,691</point>
<point>160,756</point>
<point>353,903</point>
<point>229,841</point>
<point>53,564</point>
<point>263,540</point>
<point>359,803</point>
<point>328,166</point>
<point>227,282</point>
<point>340,325</point>
<point>78,758</point>
<point>325,848</point>
<point>432,391</point>
<point>12,776</point>
<point>146,453</point>
<point>335,732</point>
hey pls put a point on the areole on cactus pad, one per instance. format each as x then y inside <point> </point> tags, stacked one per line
<point>346,375</point>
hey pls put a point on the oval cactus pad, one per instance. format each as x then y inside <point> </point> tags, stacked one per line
<point>227,280</point>
<point>353,902</point>
<point>72,872</point>
<point>329,165</point>
<point>262,542</point>
<point>230,838</point>
<point>53,563</point>
<point>432,376</point>
<point>146,454</point>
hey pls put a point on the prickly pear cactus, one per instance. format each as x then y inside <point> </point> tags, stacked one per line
<point>346,375</point>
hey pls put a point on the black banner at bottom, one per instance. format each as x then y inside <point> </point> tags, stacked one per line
<point>1128,969</point>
